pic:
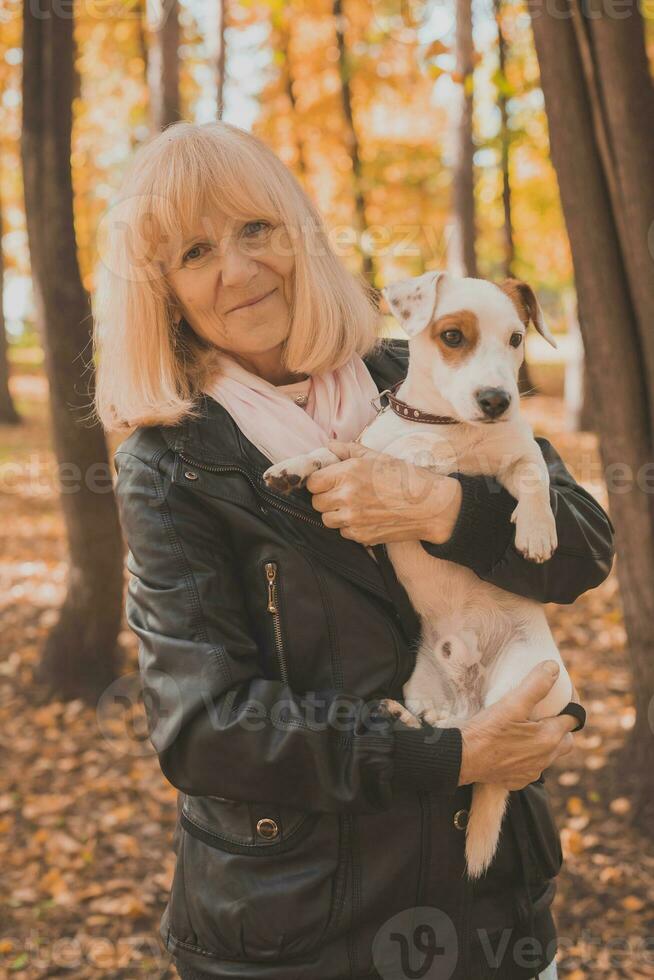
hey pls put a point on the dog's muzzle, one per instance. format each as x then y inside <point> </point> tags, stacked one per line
<point>493,401</point>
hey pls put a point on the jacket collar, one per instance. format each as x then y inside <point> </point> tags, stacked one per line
<point>214,439</point>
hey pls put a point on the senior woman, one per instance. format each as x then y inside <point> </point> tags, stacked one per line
<point>317,838</point>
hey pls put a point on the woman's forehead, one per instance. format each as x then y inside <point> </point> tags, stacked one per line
<point>207,222</point>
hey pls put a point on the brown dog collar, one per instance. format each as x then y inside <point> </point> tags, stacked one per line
<point>406,411</point>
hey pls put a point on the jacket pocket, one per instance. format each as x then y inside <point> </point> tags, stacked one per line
<point>257,882</point>
<point>536,826</point>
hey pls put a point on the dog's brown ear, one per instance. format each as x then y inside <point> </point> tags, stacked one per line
<point>528,307</point>
<point>413,301</point>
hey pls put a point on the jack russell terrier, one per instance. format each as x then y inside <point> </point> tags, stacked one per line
<point>458,409</point>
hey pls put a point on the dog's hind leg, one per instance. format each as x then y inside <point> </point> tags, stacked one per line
<point>514,662</point>
<point>519,657</point>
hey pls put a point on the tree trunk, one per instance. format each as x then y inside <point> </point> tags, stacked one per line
<point>525,383</point>
<point>352,139</point>
<point>141,17</point>
<point>462,258</point>
<point>221,58</point>
<point>80,657</point>
<point>620,377</point>
<point>163,66</point>
<point>505,146</point>
<point>284,38</point>
<point>8,413</point>
<point>618,80</point>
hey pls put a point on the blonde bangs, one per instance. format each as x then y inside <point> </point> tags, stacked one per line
<point>149,370</point>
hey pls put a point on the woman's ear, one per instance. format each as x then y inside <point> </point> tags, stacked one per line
<point>175,314</point>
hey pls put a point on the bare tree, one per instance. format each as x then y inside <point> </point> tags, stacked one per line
<point>141,34</point>
<point>505,143</point>
<point>604,157</point>
<point>221,57</point>
<point>283,43</point>
<point>351,135</point>
<point>80,655</point>
<point>163,65</point>
<point>525,382</point>
<point>462,259</point>
<point>8,413</point>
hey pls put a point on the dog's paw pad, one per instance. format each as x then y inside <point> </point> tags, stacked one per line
<point>282,480</point>
<point>535,533</point>
<point>536,546</point>
<point>397,711</point>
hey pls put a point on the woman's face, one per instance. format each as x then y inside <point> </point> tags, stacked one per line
<point>232,282</point>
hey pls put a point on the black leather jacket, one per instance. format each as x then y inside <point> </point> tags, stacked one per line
<point>266,640</point>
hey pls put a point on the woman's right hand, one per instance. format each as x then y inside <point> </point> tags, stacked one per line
<point>502,745</point>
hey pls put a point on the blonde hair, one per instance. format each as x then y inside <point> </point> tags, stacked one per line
<point>150,369</point>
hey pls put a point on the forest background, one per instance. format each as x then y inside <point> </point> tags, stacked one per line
<point>493,137</point>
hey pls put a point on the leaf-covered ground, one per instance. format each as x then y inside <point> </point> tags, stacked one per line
<point>86,818</point>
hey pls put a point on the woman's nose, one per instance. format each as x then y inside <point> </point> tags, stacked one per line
<point>237,268</point>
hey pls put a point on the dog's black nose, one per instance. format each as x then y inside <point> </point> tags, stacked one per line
<point>493,401</point>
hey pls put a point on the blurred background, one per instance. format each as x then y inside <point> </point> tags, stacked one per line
<point>491,137</point>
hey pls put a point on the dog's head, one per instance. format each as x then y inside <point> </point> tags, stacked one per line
<point>469,335</point>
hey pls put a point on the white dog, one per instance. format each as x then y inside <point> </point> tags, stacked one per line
<point>458,410</point>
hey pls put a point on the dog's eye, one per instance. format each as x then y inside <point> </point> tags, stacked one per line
<point>452,338</point>
<point>516,339</point>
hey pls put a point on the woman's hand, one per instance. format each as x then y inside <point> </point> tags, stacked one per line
<point>372,497</point>
<point>502,745</point>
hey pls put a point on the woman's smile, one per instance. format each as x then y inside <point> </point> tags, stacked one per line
<point>237,297</point>
<point>255,301</point>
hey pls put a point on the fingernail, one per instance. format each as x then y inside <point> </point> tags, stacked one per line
<point>552,667</point>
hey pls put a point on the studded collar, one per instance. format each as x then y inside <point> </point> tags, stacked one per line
<point>407,411</point>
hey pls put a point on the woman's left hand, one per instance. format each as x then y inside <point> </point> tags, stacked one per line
<point>372,497</point>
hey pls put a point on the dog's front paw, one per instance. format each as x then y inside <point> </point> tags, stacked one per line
<point>396,710</point>
<point>290,474</point>
<point>535,531</point>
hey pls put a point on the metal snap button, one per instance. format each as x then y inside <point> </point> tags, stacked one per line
<point>461,819</point>
<point>190,475</point>
<point>267,828</point>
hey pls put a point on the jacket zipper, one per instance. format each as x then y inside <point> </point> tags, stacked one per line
<point>273,609</point>
<point>262,492</point>
<point>275,502</point>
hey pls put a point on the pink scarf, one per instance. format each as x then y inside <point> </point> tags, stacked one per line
<point>339,407</point>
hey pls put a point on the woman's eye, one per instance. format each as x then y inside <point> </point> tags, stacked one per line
<point>255,227</point>
<point>516,339</point>
<point>452,338</point>
<point>195,252</point>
